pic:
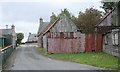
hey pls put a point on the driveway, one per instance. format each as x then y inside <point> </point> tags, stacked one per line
<point>27,58</point>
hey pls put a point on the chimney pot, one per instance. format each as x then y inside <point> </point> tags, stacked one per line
<point>6,26</point>
<point>13,27</point>
<point>29,33</point>
<point>41,20</point>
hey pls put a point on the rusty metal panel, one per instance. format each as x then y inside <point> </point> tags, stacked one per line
<point>92,44</point>
<point>73,44</point>
<point>52,45</point>
<point>50,42</point>
<point>87,45</point>
<point>99,42</point>
<point>82,42</point>
<point>65,42</point>
<point>76,45</point>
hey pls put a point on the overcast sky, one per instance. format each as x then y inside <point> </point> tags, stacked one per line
<point>25,14</point>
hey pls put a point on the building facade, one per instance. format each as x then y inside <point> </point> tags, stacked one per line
<point>109,26</point>
<point>32,38</point>
<point>42,26</point>
<point>8,37</point>
<point>63,36</point>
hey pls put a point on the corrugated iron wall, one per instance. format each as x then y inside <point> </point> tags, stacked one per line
<point>93,44</point>
<point>98,42</point>
<point>90,42</point>
<point>65,42</point>
<point>71,42</point>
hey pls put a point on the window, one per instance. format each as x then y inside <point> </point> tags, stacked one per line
<point>115,39</point>
<point>106,39</point>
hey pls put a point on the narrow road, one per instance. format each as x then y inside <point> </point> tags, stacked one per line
<point>27,58</point>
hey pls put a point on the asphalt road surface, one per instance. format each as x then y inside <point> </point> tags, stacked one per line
<point>27,58</point>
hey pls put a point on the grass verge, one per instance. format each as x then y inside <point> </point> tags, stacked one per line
<point>100,59</point>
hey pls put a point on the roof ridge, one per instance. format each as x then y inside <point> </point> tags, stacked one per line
<point>49,27</point>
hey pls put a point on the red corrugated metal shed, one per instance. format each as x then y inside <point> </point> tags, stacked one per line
<point>98,42</point>
<point>62,44</point>
<point>93,44</point>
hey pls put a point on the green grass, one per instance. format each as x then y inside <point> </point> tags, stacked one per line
<point>101,59</point>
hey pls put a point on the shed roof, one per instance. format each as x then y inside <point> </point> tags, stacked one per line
<point>51,25</point>
<point>42,27</point>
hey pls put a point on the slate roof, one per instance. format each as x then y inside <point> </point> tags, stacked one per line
<point>42,27</point>
<point>9,31</point>
<point>32,37</point>
<point>50,26</point>
<point>61,17</point>
<point>6,31</point>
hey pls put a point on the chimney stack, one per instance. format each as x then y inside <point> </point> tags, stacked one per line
<point>29,33</point>
<point>6,26</point>
<point>13,27</point>
<point>41,21</point>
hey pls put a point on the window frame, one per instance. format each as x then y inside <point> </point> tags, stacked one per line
<point>106,39</point>
<point>115,39</point>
